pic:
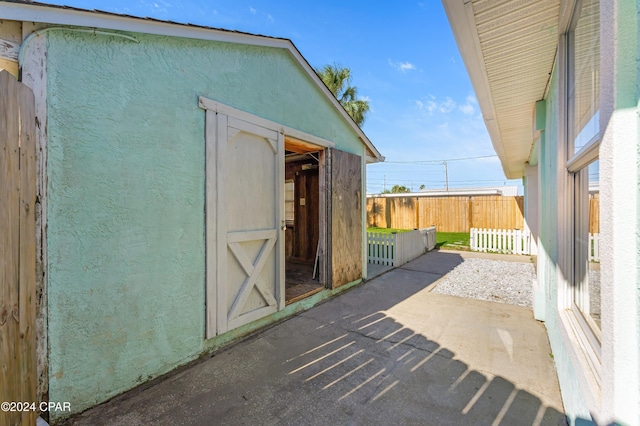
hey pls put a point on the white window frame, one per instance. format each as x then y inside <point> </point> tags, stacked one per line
<point>586,341</point>
<point>290,201</point>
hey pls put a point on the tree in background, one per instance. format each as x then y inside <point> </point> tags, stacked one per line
<point>397,189</point>
<point>422,187</point>
<point>338,81</point>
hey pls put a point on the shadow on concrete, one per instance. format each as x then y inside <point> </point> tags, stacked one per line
<point>371,356</point>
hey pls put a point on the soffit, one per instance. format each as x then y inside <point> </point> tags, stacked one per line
<point>509,48</point>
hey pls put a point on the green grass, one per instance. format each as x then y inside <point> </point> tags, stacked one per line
<point>452,240</point>
<point>445,240</point>
<point>387,230</point>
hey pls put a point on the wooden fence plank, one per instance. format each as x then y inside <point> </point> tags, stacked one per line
<point>27,247</point>
<point>17,249</point>
<point>9,241</point>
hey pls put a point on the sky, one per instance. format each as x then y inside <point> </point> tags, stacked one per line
<point>403,60</point>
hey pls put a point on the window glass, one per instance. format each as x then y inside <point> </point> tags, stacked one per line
<point>587,245</point>
<point>584,75</point>
<point>289,202</point>
<point>583,128</point>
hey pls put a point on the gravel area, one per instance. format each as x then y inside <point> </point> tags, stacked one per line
<point>492,280</point>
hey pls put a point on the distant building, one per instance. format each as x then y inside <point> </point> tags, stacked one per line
<point>507,191</point>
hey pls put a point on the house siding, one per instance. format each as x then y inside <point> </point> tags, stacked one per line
<point>126,173</point>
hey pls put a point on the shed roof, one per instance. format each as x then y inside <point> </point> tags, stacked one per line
<point>509,49</point>
<point>20,10</point>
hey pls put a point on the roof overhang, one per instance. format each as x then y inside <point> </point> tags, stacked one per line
<point>509,49</point>
<point>64,15</point>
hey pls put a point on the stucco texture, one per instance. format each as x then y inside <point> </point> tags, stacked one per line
<point>126,173</point>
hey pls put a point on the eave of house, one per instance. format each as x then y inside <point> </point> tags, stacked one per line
<point>65,15</point>
<point>509,48</point>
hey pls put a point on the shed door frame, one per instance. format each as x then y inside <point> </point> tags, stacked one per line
<point>212,206</point>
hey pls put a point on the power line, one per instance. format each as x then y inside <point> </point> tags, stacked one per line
<point>438,161</point>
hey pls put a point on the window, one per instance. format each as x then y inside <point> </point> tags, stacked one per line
<point>583,138</point>
<point>584,75</point>
<point>289,202</point>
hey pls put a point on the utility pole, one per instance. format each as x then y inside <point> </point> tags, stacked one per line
<point>384,185</point>
<point>446,174</point>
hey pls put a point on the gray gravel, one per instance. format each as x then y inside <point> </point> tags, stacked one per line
<point>492,280</point>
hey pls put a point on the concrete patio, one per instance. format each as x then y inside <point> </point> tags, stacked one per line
<point>387,352</point>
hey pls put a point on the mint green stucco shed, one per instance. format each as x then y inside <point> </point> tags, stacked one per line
<point>128,150</point>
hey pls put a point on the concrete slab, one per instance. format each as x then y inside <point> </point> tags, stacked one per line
<point>374,270</point>
<point>436,262</point>
<point>387,352</point>
<point>491,256</point>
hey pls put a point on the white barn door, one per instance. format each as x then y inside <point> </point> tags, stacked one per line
<point>245,184</point>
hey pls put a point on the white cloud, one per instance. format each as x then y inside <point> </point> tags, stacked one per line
<point>252,10</point>
<point>447,105</point>
<point>469,107</point>
<point>402,66</point>
<point>430,104</point>
<point>270,18</point>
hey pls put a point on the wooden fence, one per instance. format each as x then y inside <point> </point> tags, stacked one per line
<point>594,213</point>
<point>398,249</point>
<point>447,213</point>
<point>17,249</point>
<point>510,241</point>
<point>457,214</point>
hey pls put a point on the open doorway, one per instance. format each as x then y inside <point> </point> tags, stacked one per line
<point>304,217</point>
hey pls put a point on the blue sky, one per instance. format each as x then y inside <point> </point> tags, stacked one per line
<point>403,59</point>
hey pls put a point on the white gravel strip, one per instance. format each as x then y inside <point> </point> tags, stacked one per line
<point>492,280</point>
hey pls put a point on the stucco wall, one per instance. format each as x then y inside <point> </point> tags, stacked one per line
<point>615,399</point>
<point>620,189</point>
<point>126,195</point>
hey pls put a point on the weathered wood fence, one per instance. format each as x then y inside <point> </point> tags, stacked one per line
<point>398,249</point>
<point>510,241</point>
<point>457,213</point>
<point>17,249</point>
<point>446,213</point>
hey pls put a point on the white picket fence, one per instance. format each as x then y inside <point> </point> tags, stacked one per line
<point>594,247</point>
<point>512,241</point>
<point>381,248</point>
<point>398,249</point>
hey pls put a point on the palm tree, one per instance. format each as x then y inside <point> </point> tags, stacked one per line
<point>338,81</point>
<point>397,189</point>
